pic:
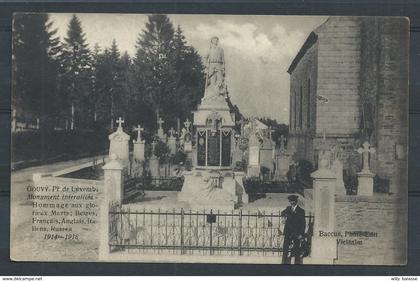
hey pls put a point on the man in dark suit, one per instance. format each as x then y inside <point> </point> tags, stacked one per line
<point>294,230</point>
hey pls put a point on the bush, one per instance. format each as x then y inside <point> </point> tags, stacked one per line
<point>178,157</point>
<point>304,170</point>
<point>350,182</point>
<point>240,166</point>
<point>256,185</point>
<point>47,145</point>
<point>380,185</point>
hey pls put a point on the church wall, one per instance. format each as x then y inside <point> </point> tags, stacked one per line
<point>355,60</point>
<point>338,77</point>
<point>384,84</point>
<point>303,80</point>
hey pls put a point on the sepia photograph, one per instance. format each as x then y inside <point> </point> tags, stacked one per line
<point>209,138</point>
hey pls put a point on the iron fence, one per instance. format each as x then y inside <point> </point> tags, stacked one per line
<point>198,232</point>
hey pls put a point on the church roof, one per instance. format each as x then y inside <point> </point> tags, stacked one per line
<point>312,38</point>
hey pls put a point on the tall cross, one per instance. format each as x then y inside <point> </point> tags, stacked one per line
<point>187,125</point>
<point>171,132</point>
<point>241,122</point>
<point>160,122</point>
<point>120,121</point>
<point>323,145</point>
<point>138,129</point>
<point>365,152</point>
<point>324,152</point>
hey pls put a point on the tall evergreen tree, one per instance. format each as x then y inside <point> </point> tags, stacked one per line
<point>35,65</point>
<point>94,97</point>
<point>154,70</point>
<point>76,73</point>
<point>168,71</point>
<point>128,93</point>
<point>110,85</point>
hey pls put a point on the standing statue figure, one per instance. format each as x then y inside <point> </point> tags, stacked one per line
<point>215,63</point>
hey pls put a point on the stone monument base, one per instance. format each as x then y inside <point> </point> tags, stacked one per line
<point>340,189</point>
<point>365,186</point>
<point>212,189</point>
<point>253,171</point>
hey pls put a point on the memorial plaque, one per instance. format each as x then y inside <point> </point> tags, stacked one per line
<point>254,156</point>
<point>213,148</point>
<point>226,147</point>
<point>201,149</point>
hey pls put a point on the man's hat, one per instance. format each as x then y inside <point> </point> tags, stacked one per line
<point>293,197</point>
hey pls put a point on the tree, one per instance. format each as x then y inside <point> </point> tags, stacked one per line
<point>154,70</point>
<point>189,77</point>
<point>279,129</point>
<point>168,72</point>
<point>128,90</point>
<point>110,82</point>
<point>76,73</point>
<point>35,67</point>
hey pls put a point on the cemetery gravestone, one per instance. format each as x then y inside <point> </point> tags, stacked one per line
<point>365,177</point>
<point>282,161</point>
<point>154,163</point>
<point>119,144</point>
<point>172,141</point>
<point>138,148</point>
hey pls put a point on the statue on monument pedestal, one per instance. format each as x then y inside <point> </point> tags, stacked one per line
<point>215,79</point>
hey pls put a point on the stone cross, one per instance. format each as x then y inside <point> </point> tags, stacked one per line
<point>324,152</point>
<point>365,152</point>
<point>171,132</point>
<point>120,121</point>
<point>138,129</point>
<point>241,122</point>
<point>187,125</point>
<point>160,122</point>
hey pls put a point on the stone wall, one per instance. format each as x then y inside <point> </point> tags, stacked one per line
<point>384,215</point>
<point>384,85</point>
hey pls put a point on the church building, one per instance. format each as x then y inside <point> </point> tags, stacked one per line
<point>348,83</point>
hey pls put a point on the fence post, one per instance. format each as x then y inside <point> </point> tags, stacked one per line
<point>211,233</point>
<point>182,231</point>
<point>240,233</point>
<point>324,183</point>
<point>113,185</point>
<point>114,179</point>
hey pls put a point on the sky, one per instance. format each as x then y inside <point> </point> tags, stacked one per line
<point>258,50</point>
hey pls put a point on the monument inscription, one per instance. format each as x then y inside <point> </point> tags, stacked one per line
<point>63,211</point>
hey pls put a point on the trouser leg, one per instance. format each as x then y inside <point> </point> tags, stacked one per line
<point>297,251</point>
<point>286,244</point>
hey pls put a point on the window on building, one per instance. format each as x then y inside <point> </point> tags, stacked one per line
<point>301,108</point>
<point>295,113</point>
<point>290,113</point>
<point>308,109</point>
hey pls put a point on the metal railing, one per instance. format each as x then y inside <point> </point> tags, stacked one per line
<point>198,232</point>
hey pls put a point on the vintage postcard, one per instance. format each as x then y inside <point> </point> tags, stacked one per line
<point>209,138</point>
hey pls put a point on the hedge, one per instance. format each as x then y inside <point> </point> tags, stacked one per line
<point>33,146</point>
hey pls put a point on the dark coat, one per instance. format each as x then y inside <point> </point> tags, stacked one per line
<point>295,221</point>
